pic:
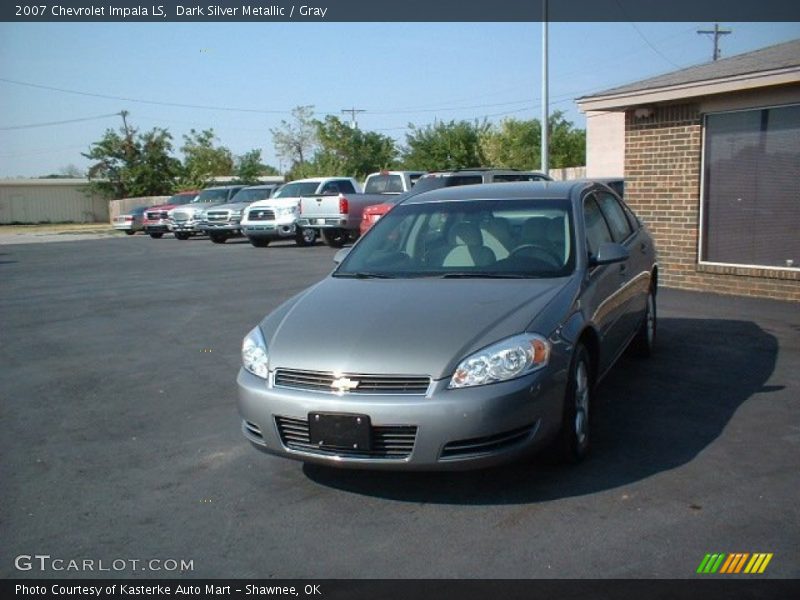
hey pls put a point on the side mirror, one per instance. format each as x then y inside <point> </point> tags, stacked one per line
<point>609,253</point>
<point>341,255</point>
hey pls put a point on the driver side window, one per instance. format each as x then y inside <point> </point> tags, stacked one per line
<point>597,231</point>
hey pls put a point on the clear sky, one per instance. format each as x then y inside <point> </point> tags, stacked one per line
<point>398,73</point>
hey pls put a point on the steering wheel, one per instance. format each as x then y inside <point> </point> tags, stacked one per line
<point>537,252</point>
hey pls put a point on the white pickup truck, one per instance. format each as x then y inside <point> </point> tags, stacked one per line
<point>336,213</point>
<point>277,217</point>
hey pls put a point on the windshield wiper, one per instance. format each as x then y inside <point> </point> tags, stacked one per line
<point>485,275</point>
<point>365,275</point>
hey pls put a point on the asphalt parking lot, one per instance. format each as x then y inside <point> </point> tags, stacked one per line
<point>121,441</point>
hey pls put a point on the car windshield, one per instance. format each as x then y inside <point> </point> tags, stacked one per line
<point>384,184</point>
<point>252,194</point>
<point>473,239</point>
<point>297,189</point>
<point>181,198</point>
<point>211,195</point>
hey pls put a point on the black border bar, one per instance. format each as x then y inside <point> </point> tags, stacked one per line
<point>266,11</point>
<point>407,589</point>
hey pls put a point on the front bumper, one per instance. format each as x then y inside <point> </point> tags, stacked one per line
<point>448,429</point>
<point>232,228</point>
<point>187,226</point>
<point>156,228</point>
<point>270,229</point>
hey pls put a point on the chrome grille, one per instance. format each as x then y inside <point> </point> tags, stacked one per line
<point>181,216</point>
<point>367,384</point>
<point>217,216</point>
<point>156,215</point>
<point>262,214</point>
<point>392,442</point>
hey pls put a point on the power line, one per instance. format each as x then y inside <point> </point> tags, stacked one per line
<point>32,125</point>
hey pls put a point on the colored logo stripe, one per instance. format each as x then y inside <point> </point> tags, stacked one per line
<point>734,563</point>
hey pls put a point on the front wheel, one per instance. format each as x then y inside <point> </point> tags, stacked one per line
<point>335,238</point>
<point>181,235</point>
<point>305,236</point>
<point>644,342</point>
<point>574,438</point>
<point>129,232</point>
<point>157,235</point>
<point>218,238</point>
<point>259,242</point>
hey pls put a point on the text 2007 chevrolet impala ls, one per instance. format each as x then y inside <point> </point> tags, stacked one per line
<point>469,327</point>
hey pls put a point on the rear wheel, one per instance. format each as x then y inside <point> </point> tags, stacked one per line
<point>259,242</point>
<point>129,232</point>
<point>335,238</point>
<point>305,236</point>
<point>218,238</point>
<point>644,342</point>
<point>181,235</point>
<point>156,235</point>
<point>574,438</point>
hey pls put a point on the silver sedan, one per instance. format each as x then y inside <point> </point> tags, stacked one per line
<point>469,327</point>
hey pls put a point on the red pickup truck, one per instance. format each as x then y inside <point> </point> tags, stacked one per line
<point>156,217</point>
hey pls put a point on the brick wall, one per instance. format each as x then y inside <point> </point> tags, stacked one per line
<point>662,185</point>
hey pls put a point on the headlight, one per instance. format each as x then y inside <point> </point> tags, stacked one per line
<point>507,359</point>
<point>199,214</point>
<point>286,210</point>
<point>254,353</point>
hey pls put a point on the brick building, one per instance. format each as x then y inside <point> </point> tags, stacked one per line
<point>711,160</point>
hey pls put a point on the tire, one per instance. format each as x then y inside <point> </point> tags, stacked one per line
<point>259,242</point>
<point>218,238</point>
<point>129,232</point>
<point>305,236</point>
<point>156,235</point>
<point>335,238</point>
<point>643,343</point>
<point>574,439</point>
<point>181,235</point>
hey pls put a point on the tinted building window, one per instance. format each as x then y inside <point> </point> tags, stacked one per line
<point>751,194</point>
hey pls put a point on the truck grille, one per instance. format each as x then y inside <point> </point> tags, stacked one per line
<point>393,442</point>
<point>181,216</point>
<point>319,381</point>
<point>155,215</point>
<point>262,214</point>
<point>217,216</point>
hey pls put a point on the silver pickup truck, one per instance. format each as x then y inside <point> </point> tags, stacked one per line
<point>224,221</point>
<point>337,209</point>
<point>279,216</point>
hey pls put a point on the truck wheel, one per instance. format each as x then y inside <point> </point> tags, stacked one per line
<point>180,235</point>
<point>129,232</point>
<point>335,238</point>
<point>305,236</point>
<point>259,242</point>
<point>156,236</point>
<point>218,238</point>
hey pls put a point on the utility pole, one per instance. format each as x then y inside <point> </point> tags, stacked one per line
<point>716,32</point>
<point>128,141</point>
<point>353,112</point>
<point>545,164</point>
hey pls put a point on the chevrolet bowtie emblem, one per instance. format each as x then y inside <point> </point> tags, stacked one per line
<point>344,384</point>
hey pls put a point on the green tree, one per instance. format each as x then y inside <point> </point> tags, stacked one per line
<point>295,141</point>
<point>203,160</point>
<point>442,145</point>
<point>130,164</point>
<point>249,167</point>
<point>516,144</point>
<point>345,150</point>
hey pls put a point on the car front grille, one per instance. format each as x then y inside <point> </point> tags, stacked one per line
<point>320,381</point>
<point>388,442</point>
<point>156,215</point>
<point>260,214</point>
<point>490,444</point>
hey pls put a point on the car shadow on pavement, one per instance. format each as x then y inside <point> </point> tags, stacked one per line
<point>650,416</point>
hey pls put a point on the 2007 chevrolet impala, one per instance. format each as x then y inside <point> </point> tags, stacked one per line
<point>470,326</point>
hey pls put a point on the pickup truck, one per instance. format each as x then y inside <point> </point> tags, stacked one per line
<point>224,221</point>
<point>156,218</point>
<point>439,179</point>
<point>187,220</point>
<point>337,212</point>
<point>278,217</point>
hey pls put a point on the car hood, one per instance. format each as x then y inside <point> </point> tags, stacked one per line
<point>400,327</point>
<point>232,206</point>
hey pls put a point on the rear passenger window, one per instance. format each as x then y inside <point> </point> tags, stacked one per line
<point>597,231</point>
<point>617,221</point>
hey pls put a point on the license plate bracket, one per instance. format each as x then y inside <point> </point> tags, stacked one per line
<point>342,431</point>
